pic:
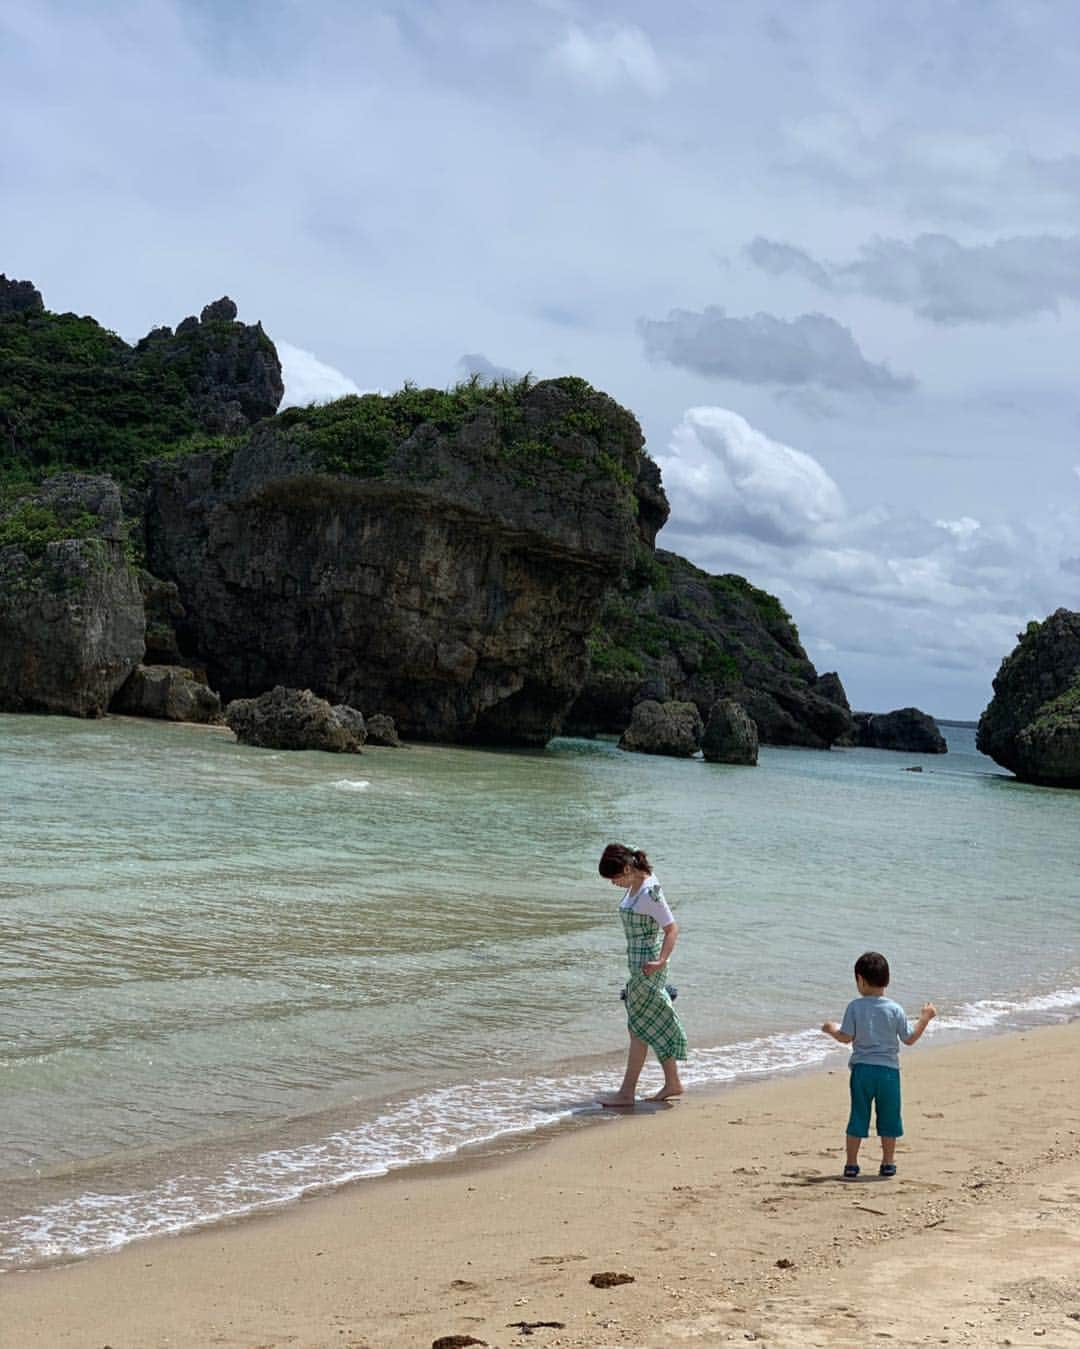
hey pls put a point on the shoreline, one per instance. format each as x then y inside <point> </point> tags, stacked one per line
<point>287,1168</point>
<point>112,1211</point>
<point>698,1200</point>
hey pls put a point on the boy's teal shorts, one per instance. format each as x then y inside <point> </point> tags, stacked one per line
<point>874,1084</point>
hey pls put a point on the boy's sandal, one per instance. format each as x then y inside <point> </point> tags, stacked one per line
<point>851,1171</point>
<point>887,1169</point>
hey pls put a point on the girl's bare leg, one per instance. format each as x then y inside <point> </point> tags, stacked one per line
<point>635,1061</point>
<point>672,1082</point>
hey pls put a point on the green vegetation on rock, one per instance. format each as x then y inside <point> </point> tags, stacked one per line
<point>359,435</point>
<point>768,606</point>
<point>31,526</point>
<point>73,396</point>
<point>1065,708</point>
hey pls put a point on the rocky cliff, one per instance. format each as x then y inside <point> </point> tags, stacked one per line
<point>71,612</point>
<point>1032,724</point>
<point>440,556</point>
<point>477,562</point>
<point>74,395</point>
<point>670,631</point>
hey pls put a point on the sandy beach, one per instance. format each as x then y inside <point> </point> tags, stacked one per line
<point>726,1208</point>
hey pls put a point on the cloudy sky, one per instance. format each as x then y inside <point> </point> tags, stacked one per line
<point>828,252</point>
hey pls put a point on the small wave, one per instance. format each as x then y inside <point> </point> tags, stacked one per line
<point>986,1013</point>
<point>351,785</point>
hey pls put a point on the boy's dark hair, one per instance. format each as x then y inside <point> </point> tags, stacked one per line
<point>874,968</point>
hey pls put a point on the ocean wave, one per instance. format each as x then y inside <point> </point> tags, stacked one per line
<point>989,1013</point>
<point>351,785</point>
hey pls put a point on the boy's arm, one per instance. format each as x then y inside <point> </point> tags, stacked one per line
<point>927,1015</point>
<point>842,1037</point>
<point>844,1033</point>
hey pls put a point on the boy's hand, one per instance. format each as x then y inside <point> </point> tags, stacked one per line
<point>829,1027</point>
<point>929,1011</point>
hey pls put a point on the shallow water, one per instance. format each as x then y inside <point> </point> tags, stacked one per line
<point>229,976</point>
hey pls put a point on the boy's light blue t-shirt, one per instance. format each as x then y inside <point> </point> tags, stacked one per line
<point>878,1025</point>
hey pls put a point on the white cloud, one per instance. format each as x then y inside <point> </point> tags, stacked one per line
<point>720,473</point>
<point>309,380</point>
<point>611,57</point>
<point>964,528</point>
<point>476,363</point>
<point>898,586</point>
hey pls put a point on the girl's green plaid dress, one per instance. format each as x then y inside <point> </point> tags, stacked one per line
<point>649,1011</point>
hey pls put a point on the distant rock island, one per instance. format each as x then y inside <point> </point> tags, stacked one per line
<point>478,563</point>
<point>1032,724</point>
<point>905,729</point>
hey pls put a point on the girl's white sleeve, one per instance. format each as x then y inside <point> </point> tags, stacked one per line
<point>653,903</point>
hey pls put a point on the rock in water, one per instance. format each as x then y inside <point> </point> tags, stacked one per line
<point>664,728</point>
<point>382,731</point>
<point>72,622</point>
<point>352,720</point>
<point>730,735</point>
<point>1032,724</point>
<point>289,719</point>
<point>170,692</point>
<point>906,729</point>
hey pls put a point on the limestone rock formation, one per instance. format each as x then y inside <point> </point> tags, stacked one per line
<point>664,728</point>
<point>829,687</point>
<point>905,729</point>
<point>71,613</point>
<point>439,556</point>
<point>169,692</point>
<point>289,719</point>
<point>730,734</point>
<point>353,721</point>
<point>74,394</point>
<point>162,604</point>
<point>230,369</point>
<point>672,631</point>
<point>382,731</point>
<point>18,297</point>
<point>1032,724</point>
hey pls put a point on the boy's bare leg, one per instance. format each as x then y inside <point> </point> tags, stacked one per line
<point>888,1151</point>
<point>672,1082</point>
<point>853,1143</point>
<point>635,1061</point>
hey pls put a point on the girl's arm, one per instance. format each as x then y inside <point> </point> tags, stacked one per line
<point>671,932</point>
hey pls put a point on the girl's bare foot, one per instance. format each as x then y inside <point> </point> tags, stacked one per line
<point>666,1093</point>
<point>617,1102</point>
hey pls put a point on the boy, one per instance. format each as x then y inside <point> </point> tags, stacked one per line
<point>873,1024</point>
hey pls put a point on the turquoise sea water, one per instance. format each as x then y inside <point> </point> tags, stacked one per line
<point>229,977</point>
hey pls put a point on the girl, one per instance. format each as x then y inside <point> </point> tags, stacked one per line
<point>651,932</point>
